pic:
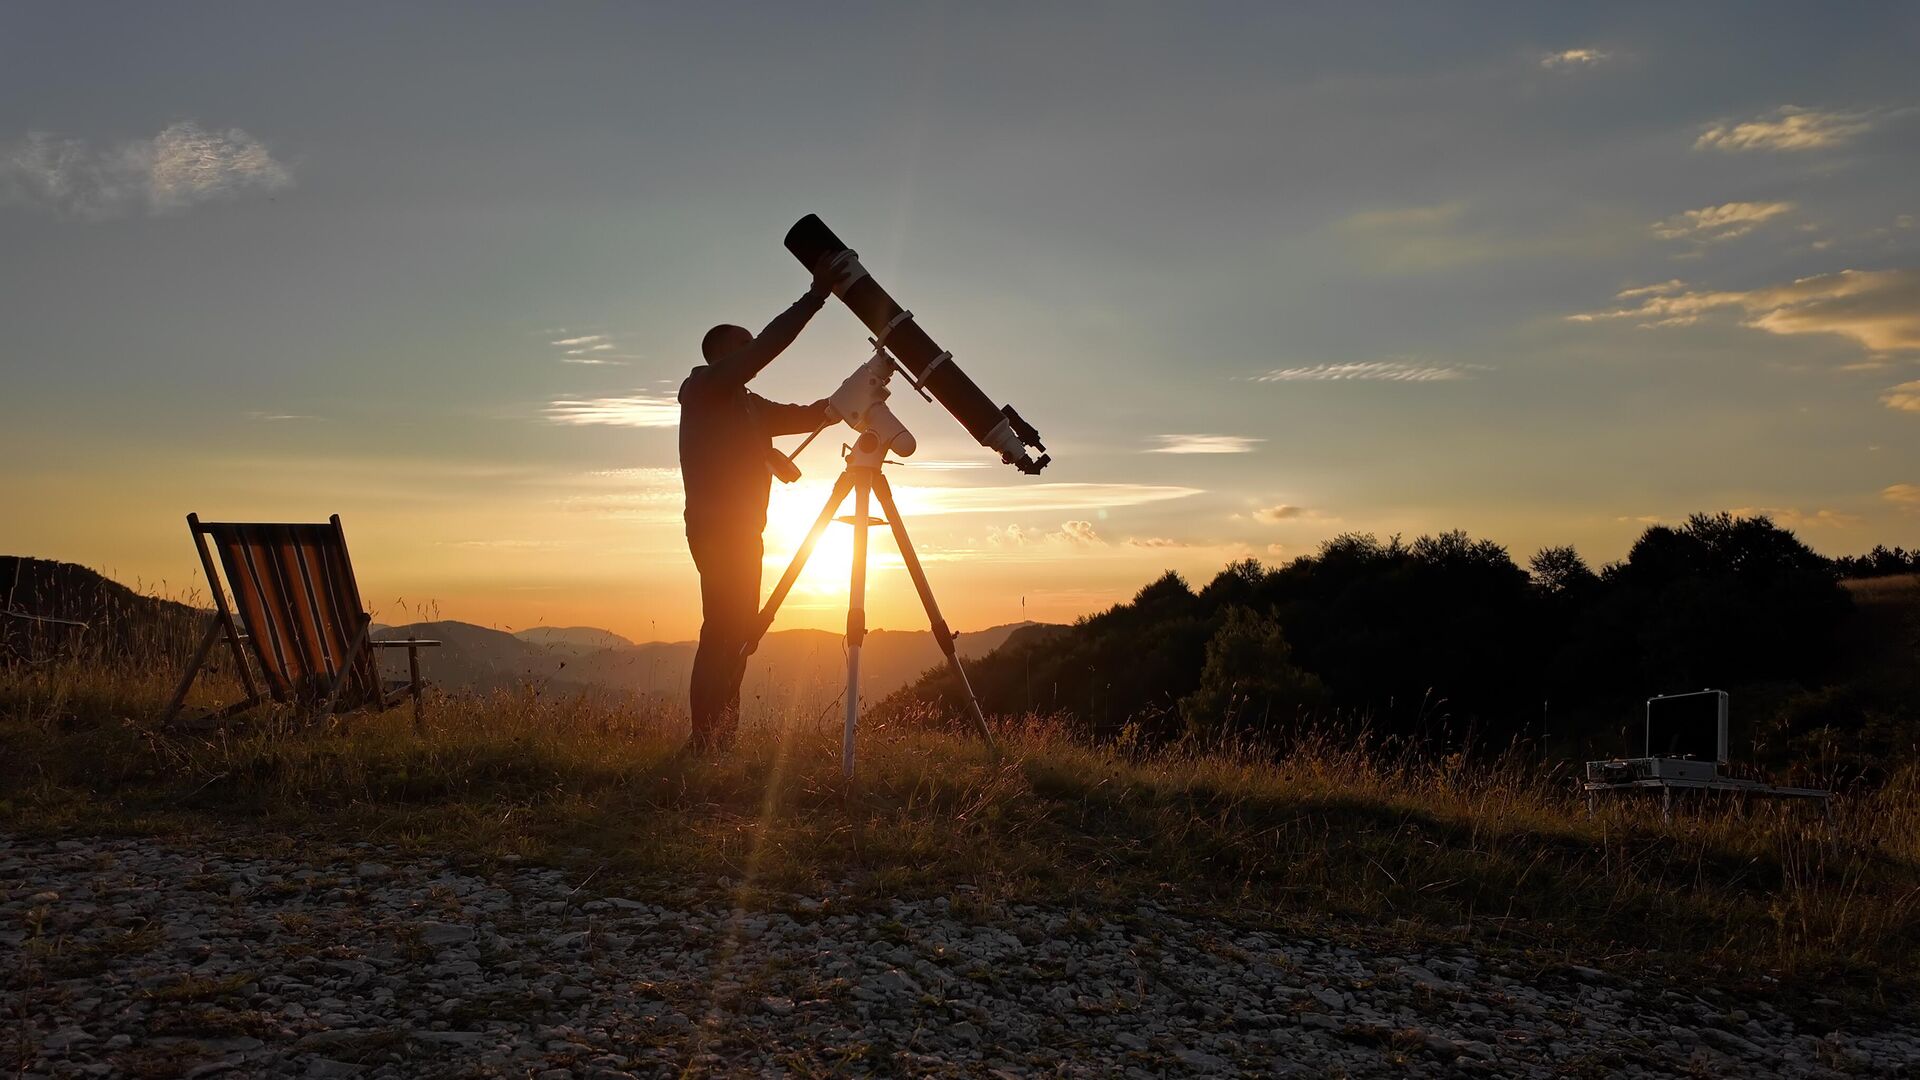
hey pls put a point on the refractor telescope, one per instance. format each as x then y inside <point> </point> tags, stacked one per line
<point>861,402</point>
<point>928,368</point>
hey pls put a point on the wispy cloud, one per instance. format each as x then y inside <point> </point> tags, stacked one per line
<point>180,168</point>
<point>1421,239</point>
<point>640,409</point>
<point>943,464</point>
<point>1156,543</point>
<point>1205,444</point>
<point>1574,59</point>
<point>1789,127</point>
<point>655,507</point>
<point>1444,236</point>
<point>1406,217</point>
<point>648,476</point>
<point>1012,536</point>
<point>1792,518</point>
<point>1658,288</point>
<point>1274,515</point>
<point>1077,534</point>
<point>1903,495</point>
<point>1370,371</point>
<point>1071,534</point>
<point>1903,398</point>
<point>258,414</point>
<point>1724,222</point>
<point>506,545</point>
<point>596,349</point>
<point>1034,498</point>
<point>639,494</point>
<point>1880,309</point>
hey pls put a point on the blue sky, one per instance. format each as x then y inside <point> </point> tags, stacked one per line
<point>1538,272</point>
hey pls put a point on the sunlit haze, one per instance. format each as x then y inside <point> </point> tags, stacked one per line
<point>1260,274</point>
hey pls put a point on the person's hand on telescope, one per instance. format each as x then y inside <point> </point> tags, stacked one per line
<point>824,274</point>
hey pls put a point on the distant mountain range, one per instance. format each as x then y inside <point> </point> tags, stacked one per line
<point>49,608</point>
<point>583,639</point>
<point>791,668</point>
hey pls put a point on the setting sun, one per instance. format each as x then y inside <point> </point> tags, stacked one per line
<point>822,585</point>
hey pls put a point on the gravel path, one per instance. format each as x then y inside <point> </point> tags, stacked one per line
<point>143,958</point>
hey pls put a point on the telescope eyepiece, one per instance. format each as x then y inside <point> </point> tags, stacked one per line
<point>1021,428</point>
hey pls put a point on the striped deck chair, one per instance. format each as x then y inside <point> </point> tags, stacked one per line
<point>296,609</point>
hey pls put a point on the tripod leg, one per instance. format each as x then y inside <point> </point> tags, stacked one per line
<point>840,488</point>
<point>941,633</point>
<point>856,620</point>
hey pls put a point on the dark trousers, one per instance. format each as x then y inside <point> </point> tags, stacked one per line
<point>729,565</point>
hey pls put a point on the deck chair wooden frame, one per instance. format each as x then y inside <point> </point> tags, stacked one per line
<point>311,638</point>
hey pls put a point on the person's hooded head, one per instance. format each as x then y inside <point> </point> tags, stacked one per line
<point>724,340</point>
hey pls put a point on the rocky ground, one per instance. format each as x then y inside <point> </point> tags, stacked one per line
<point>143,958</point>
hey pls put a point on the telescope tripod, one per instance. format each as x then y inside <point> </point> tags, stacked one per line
<point>862,477</point>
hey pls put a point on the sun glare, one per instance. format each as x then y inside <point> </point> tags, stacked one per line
<point>791,512</point>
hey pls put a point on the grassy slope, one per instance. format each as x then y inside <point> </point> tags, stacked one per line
<point>1882,642</point>
<point>1326,841</point>
<point>1877,668</point>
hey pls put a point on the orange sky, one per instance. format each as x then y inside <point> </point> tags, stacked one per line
<point>1260,275</point>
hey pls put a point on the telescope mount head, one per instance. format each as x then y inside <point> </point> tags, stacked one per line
<point>861,401</point>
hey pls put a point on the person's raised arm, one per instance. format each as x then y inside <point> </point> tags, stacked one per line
<point>778,418</point>
<point>743,364</point>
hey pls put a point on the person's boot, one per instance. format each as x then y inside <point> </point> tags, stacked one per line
<point>712,736</point>
<point>701,737</point>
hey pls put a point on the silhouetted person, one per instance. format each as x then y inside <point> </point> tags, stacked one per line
<point>725,442</point>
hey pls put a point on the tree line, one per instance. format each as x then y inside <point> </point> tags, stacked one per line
<point>1882,561</point>
<point>1440,642</point>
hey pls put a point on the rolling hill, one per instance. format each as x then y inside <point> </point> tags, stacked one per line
<point>577,639</point>
<point>53,608</point>
<point>801,668</point>
<point>50,608</point>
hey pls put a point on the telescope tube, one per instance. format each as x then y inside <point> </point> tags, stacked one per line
<point>998,429</point>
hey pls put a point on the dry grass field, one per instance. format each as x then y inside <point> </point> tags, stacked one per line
<point>1327,838</point>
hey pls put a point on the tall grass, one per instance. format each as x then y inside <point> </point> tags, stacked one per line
<point>1328,839</point>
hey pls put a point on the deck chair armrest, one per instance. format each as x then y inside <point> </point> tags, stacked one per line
<point>414,685</point>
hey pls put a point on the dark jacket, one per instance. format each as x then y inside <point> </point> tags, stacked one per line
<point>726,430</point>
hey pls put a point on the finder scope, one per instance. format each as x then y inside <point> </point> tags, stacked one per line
<point>929,367</point>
